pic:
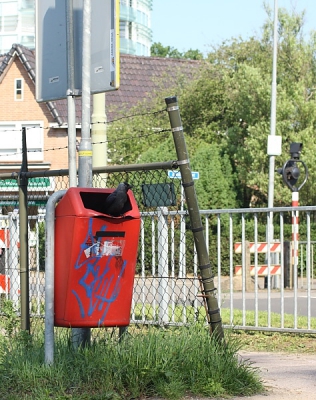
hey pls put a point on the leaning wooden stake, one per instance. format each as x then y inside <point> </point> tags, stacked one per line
<point>207,277</point>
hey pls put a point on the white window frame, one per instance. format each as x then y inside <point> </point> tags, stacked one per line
<point>16,89</point>
<point>11,141</point>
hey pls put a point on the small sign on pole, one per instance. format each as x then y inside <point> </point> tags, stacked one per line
<point>177,174</point>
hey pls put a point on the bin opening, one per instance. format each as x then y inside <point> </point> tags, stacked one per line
<point>96,202</point>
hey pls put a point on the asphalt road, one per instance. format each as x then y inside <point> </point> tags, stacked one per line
<point>275,302</point>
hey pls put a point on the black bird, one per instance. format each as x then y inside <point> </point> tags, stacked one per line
<point>115,202</point>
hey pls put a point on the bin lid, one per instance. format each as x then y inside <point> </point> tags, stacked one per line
<point>87,202</point>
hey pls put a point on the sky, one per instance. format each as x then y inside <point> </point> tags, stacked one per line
<point>199,24</point>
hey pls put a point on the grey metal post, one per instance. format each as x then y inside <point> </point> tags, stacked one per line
<point>163,296</point>
<point>49,275</point>
<point>270,228</point>
<point>85,148</point>
<point>273,109</point>
<point>70,97</point>
<point>195,218</point>
<point>24,242</point>
<point>81,336</point>
<point>98,135</point>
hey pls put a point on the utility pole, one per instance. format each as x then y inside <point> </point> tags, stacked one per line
<point>273,112</point>
<point>71,96</point>
<point>81,336</point>
<point>274,142</point>
<point>98,134</point>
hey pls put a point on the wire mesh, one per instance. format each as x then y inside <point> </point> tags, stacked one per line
<point>165,285</point>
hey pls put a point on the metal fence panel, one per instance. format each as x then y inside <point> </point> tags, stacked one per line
<point>256,289</point>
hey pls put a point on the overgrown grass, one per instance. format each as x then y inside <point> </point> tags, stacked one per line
<point>168,363</point>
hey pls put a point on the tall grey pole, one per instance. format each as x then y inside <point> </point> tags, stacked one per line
<point>70,97</point>
<point>207,276</point>
<point>98,134</point>
<point>273,105</point>
<point>85,147</point>
<point>81,336</point>
<point>270,230</point>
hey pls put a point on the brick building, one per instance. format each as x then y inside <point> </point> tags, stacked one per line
<point>46,123</point>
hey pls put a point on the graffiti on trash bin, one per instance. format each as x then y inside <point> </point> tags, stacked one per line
<point>102,268</point>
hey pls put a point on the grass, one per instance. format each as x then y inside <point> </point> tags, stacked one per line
<point>167,363</point>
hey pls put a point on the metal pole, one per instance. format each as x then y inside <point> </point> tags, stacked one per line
<point>207,277</point>
<point>49,275</point>
<point>85,148</point>
<point>163,273</point>
<point>81,336</point>
<point>24,243</point>
<point>70,97</point>
<point>273,110</point>
<point>270,228</point>
<point>295,241</point>
<point>98,134</point>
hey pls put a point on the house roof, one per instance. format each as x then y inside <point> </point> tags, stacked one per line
<point>139,78</point>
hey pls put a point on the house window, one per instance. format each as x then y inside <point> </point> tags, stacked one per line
<point>18,92</point>
<point>11,141</point>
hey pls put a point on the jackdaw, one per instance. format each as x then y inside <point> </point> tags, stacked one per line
<point>115,202</point>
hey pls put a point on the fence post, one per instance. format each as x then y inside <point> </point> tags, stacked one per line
<point>287,263</point>
<point>249,284</point>
<point>163,296</point>
<point>197,229</point>
<point>82,336</point>
<point>24,243</point>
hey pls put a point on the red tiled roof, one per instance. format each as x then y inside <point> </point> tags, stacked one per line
<point>140,77</point>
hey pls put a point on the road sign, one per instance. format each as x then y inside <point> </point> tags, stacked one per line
<point>51,47</point>
<point>177,174</point>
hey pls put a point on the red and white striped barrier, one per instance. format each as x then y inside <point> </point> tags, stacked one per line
<point>261,247</point>
<point>262,270</point>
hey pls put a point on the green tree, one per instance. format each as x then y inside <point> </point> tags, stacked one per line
<point>214,187</point>
<point>230,105</point>
<point>158,50</point>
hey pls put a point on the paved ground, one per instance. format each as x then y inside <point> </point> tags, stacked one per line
<point>286,376</point>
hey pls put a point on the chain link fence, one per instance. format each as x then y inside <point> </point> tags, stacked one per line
<point>167,289</point>
<point>166,284</point>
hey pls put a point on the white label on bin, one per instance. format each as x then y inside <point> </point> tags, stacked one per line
<point>108,248</point>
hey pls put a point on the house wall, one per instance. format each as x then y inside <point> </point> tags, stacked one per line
<point>55,140</point>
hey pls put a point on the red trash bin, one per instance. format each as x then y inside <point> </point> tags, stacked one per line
<point>95,260</point>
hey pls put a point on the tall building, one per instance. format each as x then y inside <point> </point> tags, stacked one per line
<point>135,27</point>
<point>17,25</point>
